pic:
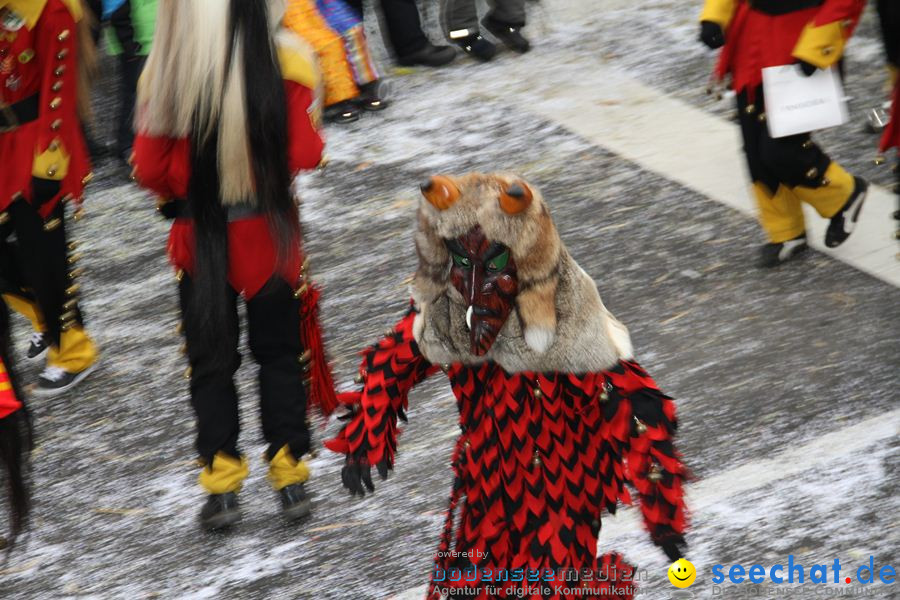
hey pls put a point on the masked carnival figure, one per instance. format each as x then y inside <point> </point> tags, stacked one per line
<point>45,165</point>
<point>556,417</point>
<point>788,171</point>
<point>227,114</point>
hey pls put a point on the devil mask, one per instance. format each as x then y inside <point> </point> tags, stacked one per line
<point>484,273</point>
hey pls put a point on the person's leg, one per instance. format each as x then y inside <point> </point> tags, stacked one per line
<point>46,263</point>
<point>273,320</point>
<point>130,71</point>
<point>505,21</point>
<point>508,12</point>
<point>303,18</point>
<point>459,19</point>
<point>406,38</point>
<point>780,214</point>
<point>799,164</point>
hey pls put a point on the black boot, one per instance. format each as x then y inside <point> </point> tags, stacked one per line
<point>477,46</point>
<point>429,56</point>
<point>773,255</point>
<point>508,34</point>
<point>295,504</point>
<point>371,96</point>
<point>220,511</point>
<point>844,222</point>
<point>342,112</point>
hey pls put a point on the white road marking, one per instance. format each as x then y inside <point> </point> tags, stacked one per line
<point>709,492</point>
<point>694,148</point>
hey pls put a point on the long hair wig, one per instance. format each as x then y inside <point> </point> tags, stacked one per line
<point>213,77</point>
<point>15,444</point>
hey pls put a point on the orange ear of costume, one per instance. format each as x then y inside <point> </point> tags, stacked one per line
<point>515,198</point>
<point>440,191</point>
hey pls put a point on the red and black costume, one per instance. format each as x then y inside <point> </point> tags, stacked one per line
<point>890,138</point>
<point>225,243</point>
<point>45,164</point>
<point>543,450</point>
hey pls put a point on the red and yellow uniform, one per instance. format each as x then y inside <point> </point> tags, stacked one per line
<point>790,170</point>
<point>45,162</point>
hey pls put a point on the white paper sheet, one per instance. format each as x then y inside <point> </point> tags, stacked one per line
<point>796,103</point>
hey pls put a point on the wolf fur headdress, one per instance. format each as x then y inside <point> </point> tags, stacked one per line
<point>558,322</point>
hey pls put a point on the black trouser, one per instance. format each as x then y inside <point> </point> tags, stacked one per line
<point>889,13</point>
<point>273,323</point>
<point>792,160</point>
<point>129,72</point>
<point>36,265</point>
<point>404,28</point>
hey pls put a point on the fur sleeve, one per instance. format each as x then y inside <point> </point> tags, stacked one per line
<point>389,370</point>
<point>640,424</point>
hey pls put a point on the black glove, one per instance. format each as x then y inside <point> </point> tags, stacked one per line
<point>357,473</point>
<point>807,68</point>
<point>711,34</point>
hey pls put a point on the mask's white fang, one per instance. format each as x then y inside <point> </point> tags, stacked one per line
<point>469,317</point>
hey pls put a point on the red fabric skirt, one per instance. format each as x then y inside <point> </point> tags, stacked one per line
<point>252,257</point>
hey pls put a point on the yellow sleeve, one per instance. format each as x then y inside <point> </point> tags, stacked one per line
<point>821,45</point>
<point>719,11</point>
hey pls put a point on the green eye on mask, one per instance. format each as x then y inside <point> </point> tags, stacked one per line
<point>461,261</point>
<point>498,263</point>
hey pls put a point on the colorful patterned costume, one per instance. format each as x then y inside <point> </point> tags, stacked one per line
<point>45,163</point>
<point>304,19</point>
<point>344,21</point>
<point>556,417</point>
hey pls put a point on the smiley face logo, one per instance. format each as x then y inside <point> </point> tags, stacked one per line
<point>682,573</point>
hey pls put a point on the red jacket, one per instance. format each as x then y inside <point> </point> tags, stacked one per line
<point>163,165</point>
<point>39,56</point>
<point>755,40</point>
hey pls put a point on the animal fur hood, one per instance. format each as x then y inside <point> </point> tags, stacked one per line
<point>558,323</point>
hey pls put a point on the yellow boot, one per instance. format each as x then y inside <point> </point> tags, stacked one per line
<point>67,364</point>
<point>840,199</point>
<point>222,478</point>
<point>287,475</point>
<point>28,309</point>
<point>782,218</point>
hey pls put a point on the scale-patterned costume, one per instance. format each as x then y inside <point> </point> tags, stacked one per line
<point>556,417</point>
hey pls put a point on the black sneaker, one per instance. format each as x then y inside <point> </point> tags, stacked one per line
<point>220,511</point>
<point>508,34</point>
<point>54,380</point>
<point>844,222</point>
<point>429,56</point>
<point>37,345</point>
<point>342,112</point>
<point>371,96</point>
<point>295,504</point>
<point>773,255</point>
<point>477,46</point>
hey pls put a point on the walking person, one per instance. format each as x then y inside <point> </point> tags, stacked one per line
<point>227,114</point>
<point>792,170</point>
